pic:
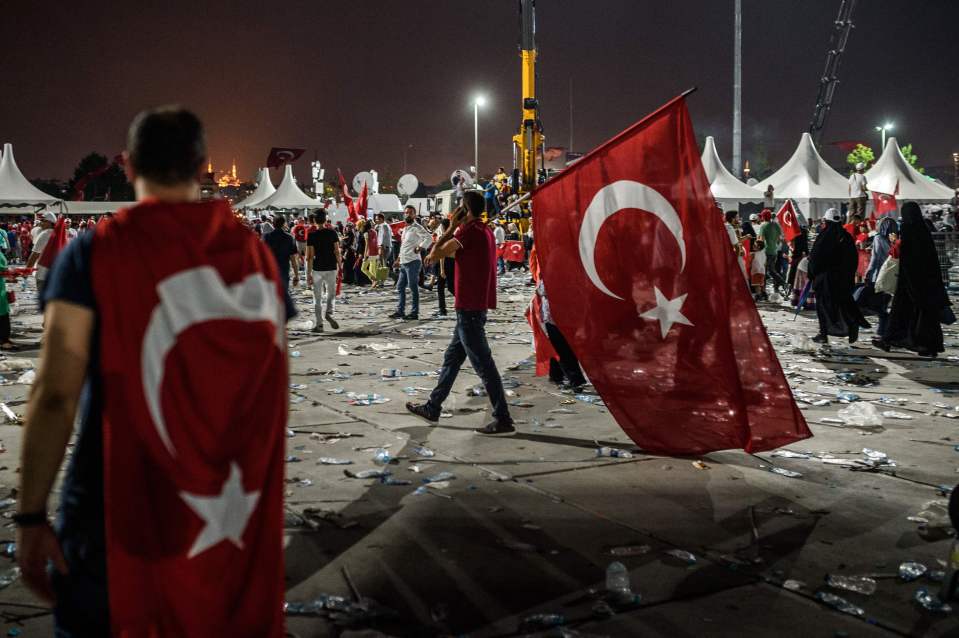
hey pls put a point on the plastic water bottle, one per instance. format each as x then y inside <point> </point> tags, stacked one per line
<point>618,588</point>
<point>613,452</point>
<point>382,457</point>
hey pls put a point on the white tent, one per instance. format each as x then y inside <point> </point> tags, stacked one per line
<point>94,208</point>
<point>809,180</point>
<point>892,168</point>
<point>15,189</point>
<point>289,195</point>
<point>264,188</point>
<point>723,184</point>
<point>385,203</point>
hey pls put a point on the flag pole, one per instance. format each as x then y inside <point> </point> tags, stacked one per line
<point>517,202</point>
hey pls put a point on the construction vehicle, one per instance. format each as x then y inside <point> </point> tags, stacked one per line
<point>528,143</point>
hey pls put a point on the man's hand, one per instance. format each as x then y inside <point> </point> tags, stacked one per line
<point>36,546</point>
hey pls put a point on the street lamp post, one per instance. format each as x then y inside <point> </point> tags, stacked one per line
<point>955,169</point>
<point>478,102</point>
<point>882,130</point>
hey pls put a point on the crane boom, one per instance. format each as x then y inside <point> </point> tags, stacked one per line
<point>830,77</point>
<point>528,143</point>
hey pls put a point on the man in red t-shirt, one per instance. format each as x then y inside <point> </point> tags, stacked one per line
<point>472,243</point>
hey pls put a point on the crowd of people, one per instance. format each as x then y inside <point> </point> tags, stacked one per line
<point>853,267</point>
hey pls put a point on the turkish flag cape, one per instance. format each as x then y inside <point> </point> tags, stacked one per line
<point>56,242</point>
<point>542,346</point>
<point>884,203</point>
<point>194,364</point>
<point>789,221</point>
<point>513,251</point>
<point>642,283</point>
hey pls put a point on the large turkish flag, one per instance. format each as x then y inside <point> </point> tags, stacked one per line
<point>193,357</point>
<point>789,221</point>
<point>644,285</point>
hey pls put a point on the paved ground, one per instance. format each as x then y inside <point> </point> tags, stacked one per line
<point>528,524</point>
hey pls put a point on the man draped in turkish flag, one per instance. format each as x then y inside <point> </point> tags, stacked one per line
<point>641,280</point>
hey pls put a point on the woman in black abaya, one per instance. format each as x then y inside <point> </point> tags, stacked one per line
<point>832,271</point>
<point>920,295</point>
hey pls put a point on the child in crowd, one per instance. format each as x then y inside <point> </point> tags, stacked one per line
<point>758,271</point>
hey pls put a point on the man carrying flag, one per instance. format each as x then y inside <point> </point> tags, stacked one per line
<point>884,204</point>
<point>171,515</point>
<point>652,300</point>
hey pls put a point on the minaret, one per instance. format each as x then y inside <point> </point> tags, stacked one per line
<point>233,170</point>
<point>209,167</point>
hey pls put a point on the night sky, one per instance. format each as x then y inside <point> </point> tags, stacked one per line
<point>358,81</point>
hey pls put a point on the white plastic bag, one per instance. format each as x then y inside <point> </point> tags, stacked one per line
<point>860,413</point>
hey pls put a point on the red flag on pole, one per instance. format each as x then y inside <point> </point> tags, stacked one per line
<point>789,221</point>
<point>194,423</point>
<point>642,283</point>
<point>347,198</point>
<point>361,202</point>
<point>513,251</point>
<point>884,203</point>
<point>279,156</point>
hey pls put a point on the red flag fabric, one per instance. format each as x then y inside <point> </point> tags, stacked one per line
<point>279,156</point>
<point>194,422</point>
<point>361,202</point>
<point>541,343</point>
<point>348,199</point>
<point>513,251</point>
<point>884,203</point>
<point>58,239</point>
<point>789,221</point>
<point>641,281</point>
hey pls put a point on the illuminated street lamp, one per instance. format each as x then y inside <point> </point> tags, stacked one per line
<point>955,169</point>
<point>882,130</point>
<point>477,103</point>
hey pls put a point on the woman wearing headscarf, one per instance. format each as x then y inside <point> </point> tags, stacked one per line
<point>920,295</point>
<point>349,253</point>
<point>798,248</point>
<point>885,237</point>
<point>832,270</point>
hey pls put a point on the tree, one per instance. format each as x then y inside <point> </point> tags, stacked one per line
<point>861,153</point>
<point>99,179</point>
<point>911,158</point>
<point>52,187</point>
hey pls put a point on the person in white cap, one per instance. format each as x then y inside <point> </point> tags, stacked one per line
<point>858,191</point>
<point>832,273</point>
<point>47,220</point>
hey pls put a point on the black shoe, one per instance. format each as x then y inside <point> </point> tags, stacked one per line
<point>882,345</point>
<point>413,316</point>
<point>927,353</point>
<point>396,315</point>
<point>333,322</point>
<point>821,339</point>
<point>854,334</point>
<point>497,428</point>
<point>423,410</point>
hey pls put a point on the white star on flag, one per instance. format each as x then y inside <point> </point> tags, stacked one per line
<point>225,515</point>
<point>667,312</point>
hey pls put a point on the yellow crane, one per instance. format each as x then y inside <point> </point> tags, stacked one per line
<point>528,143</point>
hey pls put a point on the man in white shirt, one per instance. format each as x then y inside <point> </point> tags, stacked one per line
<point>47,220</point>
<point>384,237</point>
<point>857,192</point>
<point>499,236</point>
<point>414,240</point>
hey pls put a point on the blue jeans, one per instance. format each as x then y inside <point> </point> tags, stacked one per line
<point>469,341</point>
<point>409,276</point>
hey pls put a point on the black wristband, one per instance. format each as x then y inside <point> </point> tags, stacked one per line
<point>30,519</point>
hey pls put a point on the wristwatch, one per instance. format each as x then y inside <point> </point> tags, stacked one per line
<point>30,519</point>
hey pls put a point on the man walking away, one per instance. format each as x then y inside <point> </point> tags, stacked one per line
<point>324,261</point>
<point>282,246</point>
<point>47,220</point>
<point>412,242</point>
<point>171,510</point>
<point>499,235</point>
<point>471,241</point>
<point>857,192</point>
<point>384,239</point>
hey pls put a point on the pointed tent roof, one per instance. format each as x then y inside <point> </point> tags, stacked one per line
<point>289,195</point>
<point>806,176</point>
<point>14,187</point>
<point>723,184</point>
<point>264,188</point>
<point>892,168</point>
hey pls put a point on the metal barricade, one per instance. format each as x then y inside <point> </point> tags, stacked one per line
<point>947,246</point>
